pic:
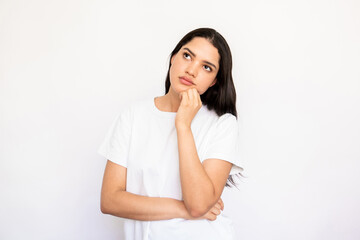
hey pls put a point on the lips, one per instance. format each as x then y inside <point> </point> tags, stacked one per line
<point>186,81</point>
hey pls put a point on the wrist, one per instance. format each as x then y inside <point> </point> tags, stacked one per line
<point>182,127</point>
<point>183,213</point>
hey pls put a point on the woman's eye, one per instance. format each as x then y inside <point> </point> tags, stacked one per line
<point>207,68</point>
<point>186,55</point>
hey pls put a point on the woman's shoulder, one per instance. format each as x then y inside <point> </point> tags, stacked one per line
<point>136,105</point>
<point>143,104</point>
<point>130,110</point>
<point>207,121</point>
<point>214,118</point>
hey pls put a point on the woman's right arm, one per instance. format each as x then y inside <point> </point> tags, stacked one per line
<point>116,201</point>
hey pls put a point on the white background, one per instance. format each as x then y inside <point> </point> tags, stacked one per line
<point>67,67</point>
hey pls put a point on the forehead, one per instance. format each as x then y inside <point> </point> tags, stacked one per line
<point>203,50</point>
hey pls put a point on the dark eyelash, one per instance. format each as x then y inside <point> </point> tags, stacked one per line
<point>209,67</point>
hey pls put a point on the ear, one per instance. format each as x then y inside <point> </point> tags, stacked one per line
<point>213,83</point>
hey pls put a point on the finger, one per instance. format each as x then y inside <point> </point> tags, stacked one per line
<point>215,211</point>
<point>181,94</point>
<point>211,216</point>
<point>185,97</point>
<point>198,98</point>
<point>195,95</point>
<point>221,203</point>
<point>218,206</point>
<point>191,95</point>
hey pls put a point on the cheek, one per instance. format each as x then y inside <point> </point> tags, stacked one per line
<point>202,88</point>
<point>175,70</point>
<point>172,69</point>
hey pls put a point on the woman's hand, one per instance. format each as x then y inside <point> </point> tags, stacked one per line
<point>212,213</point>
<point>189,106</point>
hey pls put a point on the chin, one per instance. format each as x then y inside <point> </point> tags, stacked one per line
<point>179,88</point>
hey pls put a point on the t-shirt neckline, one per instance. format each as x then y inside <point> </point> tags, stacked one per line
<point>167,114</point>
<point>161,113</point>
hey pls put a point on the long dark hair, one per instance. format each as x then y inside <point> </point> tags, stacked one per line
<point>221,97</point>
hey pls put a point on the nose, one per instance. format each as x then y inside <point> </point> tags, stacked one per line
<point>192,69</point>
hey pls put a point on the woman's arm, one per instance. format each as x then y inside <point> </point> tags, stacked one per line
<point>202,184</point>
<point>116,201</point>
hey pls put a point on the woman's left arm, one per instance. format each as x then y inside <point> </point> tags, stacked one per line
<point>202,184</point>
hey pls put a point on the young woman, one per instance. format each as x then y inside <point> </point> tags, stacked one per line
<point>170,157</point>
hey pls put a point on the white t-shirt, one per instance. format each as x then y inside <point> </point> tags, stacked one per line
<point>144,140</point>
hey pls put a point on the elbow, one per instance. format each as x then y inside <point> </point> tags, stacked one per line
<point>198,206</point>
<point>195,213</point>
<point>108,203</point>
<point>105,207</point>
<point>197,210</point>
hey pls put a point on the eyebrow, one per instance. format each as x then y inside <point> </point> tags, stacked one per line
<point>207,62</point>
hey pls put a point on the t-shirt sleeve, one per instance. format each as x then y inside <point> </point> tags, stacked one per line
<point>115,146</point>
<point>224,142</point>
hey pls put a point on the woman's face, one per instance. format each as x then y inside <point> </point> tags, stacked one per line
<point>194,66</point>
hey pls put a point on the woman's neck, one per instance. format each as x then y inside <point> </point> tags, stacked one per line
<point>169,102</point>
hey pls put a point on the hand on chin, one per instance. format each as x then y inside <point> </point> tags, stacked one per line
<point>190,104</point>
